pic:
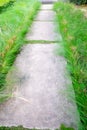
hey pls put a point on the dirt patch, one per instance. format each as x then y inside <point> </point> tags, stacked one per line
<point>83,8</point>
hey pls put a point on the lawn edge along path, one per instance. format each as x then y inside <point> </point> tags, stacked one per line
<point>10,44</point>
<point>73,27</point>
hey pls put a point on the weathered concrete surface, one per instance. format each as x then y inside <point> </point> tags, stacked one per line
<point>43,31</point>
<point>47,7</point>
<point>46,15</point>
<point>43,28</point>
<point>48,1</point>
<point>40,99</point>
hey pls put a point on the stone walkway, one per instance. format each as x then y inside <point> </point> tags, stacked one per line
<point>40,100</point>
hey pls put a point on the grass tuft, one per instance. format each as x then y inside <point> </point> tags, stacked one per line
<point>14,24</point>
<point>73,28</point>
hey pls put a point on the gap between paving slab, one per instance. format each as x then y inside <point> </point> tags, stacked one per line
<point>43,28</point>
<point>39,41</point>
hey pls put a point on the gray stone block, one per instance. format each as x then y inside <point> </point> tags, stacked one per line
<point>43,31</point>
<point>46,15</point>
<point>47,7</point>
<point>40,100</point>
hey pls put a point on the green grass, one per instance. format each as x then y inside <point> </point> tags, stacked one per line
<point>2,2</point>
<point>14,128</point>
<point>73,28</point>
<point>62,127</point>
<point>14,24</point>
<point>39,42</point>
<point>6,6</point>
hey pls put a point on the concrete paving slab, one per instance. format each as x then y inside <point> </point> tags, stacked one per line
<point>46,15</point>
<point>47,6</point>
<point>43,31</point>
<point>40,100</point>
<point>48,1</point>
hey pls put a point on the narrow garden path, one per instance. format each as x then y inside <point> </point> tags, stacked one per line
<point>40,99</point>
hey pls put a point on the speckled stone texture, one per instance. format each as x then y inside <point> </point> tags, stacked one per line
<point>40,99</point>
<point>47,7</point>
<point>43,31</point>
<point>43,27</point>
<point>45,15</point>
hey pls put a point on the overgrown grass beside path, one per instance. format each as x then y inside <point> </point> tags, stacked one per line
<point>14,23</point>
<point>73,27</point>
<point>5,4</point>
<point>62,127</point>
<point>2,2</point>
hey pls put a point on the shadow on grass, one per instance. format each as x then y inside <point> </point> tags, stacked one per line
<point>6,6</point>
